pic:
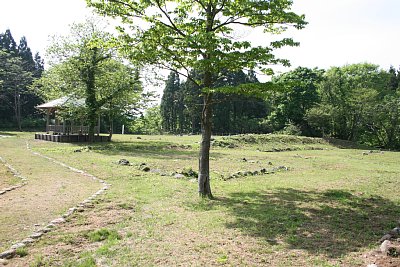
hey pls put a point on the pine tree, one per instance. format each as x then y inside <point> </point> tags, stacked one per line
<point>7,42</point>
<point>170,106</point>
<point>25,53</point>
<point>39,66</point>
<point>18,68</point>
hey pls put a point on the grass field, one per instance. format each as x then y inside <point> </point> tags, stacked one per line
<point>329,208</point>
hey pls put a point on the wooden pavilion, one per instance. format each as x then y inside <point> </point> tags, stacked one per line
<point>61,129</point>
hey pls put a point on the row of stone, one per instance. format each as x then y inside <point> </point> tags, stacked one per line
<point>256,172</point>
<point>11,252</point>
<point>16,174</point>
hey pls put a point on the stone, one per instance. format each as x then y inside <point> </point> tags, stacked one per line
<point>124,162</point>
<point>146,169</point>
<point>58,221</point>
<point>18,245</point>
<point>36,235</point>
<point>372,265</point>
<point>179,176</point>
<point>77,150</point>
<point>395,232</point>
<point>28,240</point>
<point>385,237</point>
<point>384,247</point>
<point>8,254</point>
<point>2,192</point>
<point>3,262</point>
<point>156,171</point>
<point>138,137</point>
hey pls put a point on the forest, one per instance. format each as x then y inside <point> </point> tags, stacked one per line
<point>358,102</point>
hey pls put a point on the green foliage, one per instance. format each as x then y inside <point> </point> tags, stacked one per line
<point>179,36</point>
<point>38,261</point>
<point>200,35</point>
<point>21,251</point>
<point>172,104</point>
<point>291,104</point>
<point>236,109</point>
<point>291,129</point>
<point>85,260</point>
<point>84,64</point>
<point>149,123</point>
<point>17,70</point>
<point>103,234</point>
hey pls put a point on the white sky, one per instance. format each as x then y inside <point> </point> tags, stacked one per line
<point>339,31</point>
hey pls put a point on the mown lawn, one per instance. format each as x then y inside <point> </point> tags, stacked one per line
<point>328,209</point>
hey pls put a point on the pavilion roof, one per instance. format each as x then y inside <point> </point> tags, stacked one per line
<point>63,102</point>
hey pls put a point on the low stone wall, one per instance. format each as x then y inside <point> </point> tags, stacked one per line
<point>70,138</point>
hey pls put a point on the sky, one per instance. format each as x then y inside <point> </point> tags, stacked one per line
<point>339,32</point>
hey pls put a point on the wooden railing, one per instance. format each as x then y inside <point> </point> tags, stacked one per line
<point>61,129</point>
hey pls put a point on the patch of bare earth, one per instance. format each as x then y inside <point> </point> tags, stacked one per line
<point>50,191</point>
<point>69,240</point>
<point>382,259</point>
<point>7,178</point>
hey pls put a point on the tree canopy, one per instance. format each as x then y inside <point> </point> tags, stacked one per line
<point>85,65</point>
<point>18,69</point>
<point>200,35</point>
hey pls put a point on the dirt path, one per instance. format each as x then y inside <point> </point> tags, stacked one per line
<point>50,191</point>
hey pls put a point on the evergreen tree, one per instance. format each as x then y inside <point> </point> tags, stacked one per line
<point>39,66</point>
<point>18,68</point>
<point>13,87</point>
<point>171,103</point>
<point>7,42</point>
<point>394,80</point>
<point>25,53</point>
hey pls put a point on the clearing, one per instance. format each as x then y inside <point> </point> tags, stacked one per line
<point>280,201</point>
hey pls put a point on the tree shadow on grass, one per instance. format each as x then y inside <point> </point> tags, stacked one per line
<point>9,134</point>
<point>332,223</point>
<point>345,144</point>
<point>151,149</point>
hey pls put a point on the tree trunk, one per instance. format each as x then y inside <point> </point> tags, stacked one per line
<point>204,157</point>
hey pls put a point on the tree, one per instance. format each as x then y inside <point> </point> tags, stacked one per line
<point>185,35</point>
<point>85,64</point>
<point>14,81</point>
<point>292,105</point>
<point>19,70</point>
<point>350,91</point>
<point>148,123</point>
<point>171,103</point>
<point>7,42</point>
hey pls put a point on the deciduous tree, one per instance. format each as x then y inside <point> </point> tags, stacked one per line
<point>85,64</point>
<point>185,35</point>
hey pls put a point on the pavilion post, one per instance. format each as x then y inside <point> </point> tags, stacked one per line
<point>98,126</point>
<point>47,120</point>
